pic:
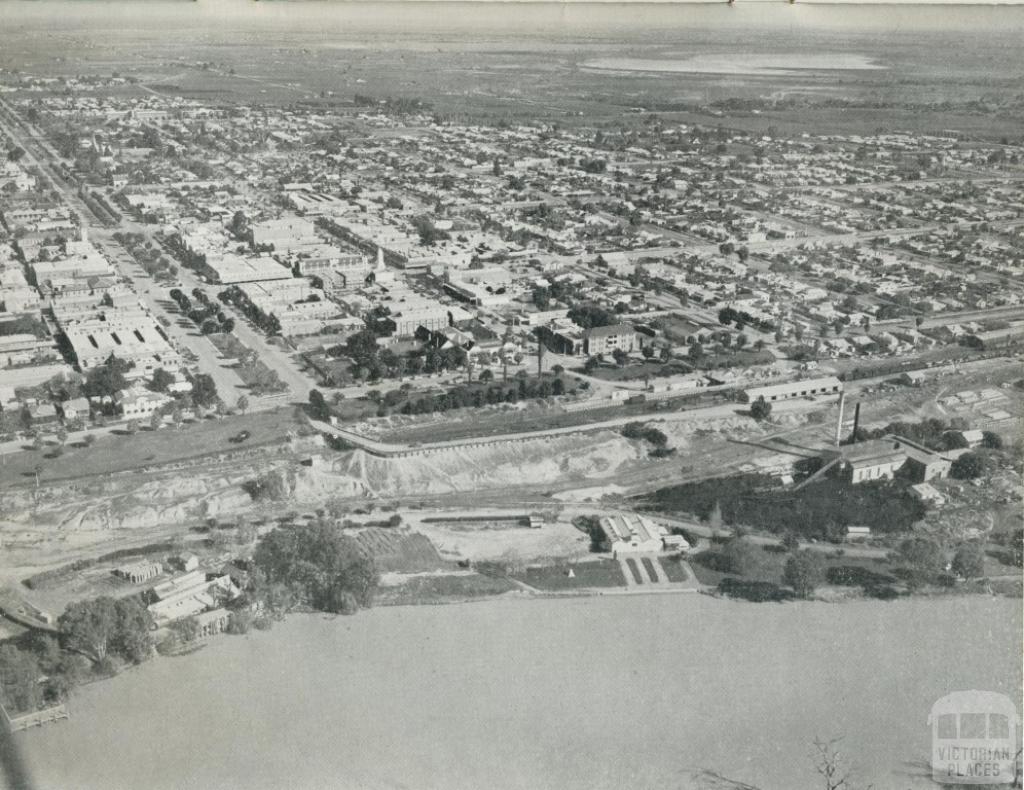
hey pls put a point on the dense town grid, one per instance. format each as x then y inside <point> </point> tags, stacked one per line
<point>167,263</point>
<point>477,241</point>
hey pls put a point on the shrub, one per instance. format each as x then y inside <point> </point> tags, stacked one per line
<point>760,409</point>
<point>992,441</point>
<point>753,590</point>
<point>803,572</point>
<point>883,593</point>
<point>742,556</point>
<point>263,623</point>
<point>967,467</point>
<point>714,560</point>
<point>273,485</point>
<point>104,668</point>
<point>857,576</point>
<point>187,628</point>
<point>923,554</point>
<point>969,561</point>
<point>592,526</point>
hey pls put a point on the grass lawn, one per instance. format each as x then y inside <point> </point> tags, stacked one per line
<point>434,589</point>
<point>648,564</point>
<point>773,562</point>
<point>674,569</point>
<point>634,569</point>
<point>596,573</point>
<point>118,453</point>
<point>260,379</point>
<point>706,575</point>
<point>708,571</point>
<point>228,345</point>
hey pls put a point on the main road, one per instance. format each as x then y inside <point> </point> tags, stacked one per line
<point>40,154</point>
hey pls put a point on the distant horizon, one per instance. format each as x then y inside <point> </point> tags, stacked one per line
<point>511,16</point>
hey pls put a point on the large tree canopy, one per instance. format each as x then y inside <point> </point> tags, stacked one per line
<point>103,626</point>
<point>319,564</point>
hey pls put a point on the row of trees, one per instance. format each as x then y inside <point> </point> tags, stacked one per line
<point>147,255</point>
<point>923,560</point>
<point>204,314</point>
<point>236,297</point>
<point>429,233</point>
<point>821,511</point>
<point>478,395</point>
<point>371,362</point>
<point>933,433</point>
<point>741,318</point>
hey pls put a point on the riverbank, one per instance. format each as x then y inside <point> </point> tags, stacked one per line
<point>592,692</point>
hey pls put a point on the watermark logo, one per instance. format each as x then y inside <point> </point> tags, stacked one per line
<point>975,739</point>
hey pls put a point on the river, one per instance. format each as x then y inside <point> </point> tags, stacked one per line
<point>605,692</point>
<point>742,63</point>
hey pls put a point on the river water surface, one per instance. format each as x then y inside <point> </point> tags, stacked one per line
<point>606,692</point>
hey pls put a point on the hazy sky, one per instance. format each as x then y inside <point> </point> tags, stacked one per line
<point>496,20</point>
<point>386,9</point>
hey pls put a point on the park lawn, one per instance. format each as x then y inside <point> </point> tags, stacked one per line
<point>705,575</point>
<point>260,379</point>
<point>254,374</point>
<point>228,345</point>
<point>773,563</point>
<point>591,573</point>
<point>769,568</point>
<point>118,452</point>
<point>441,588</point>
<point>674,569</point>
